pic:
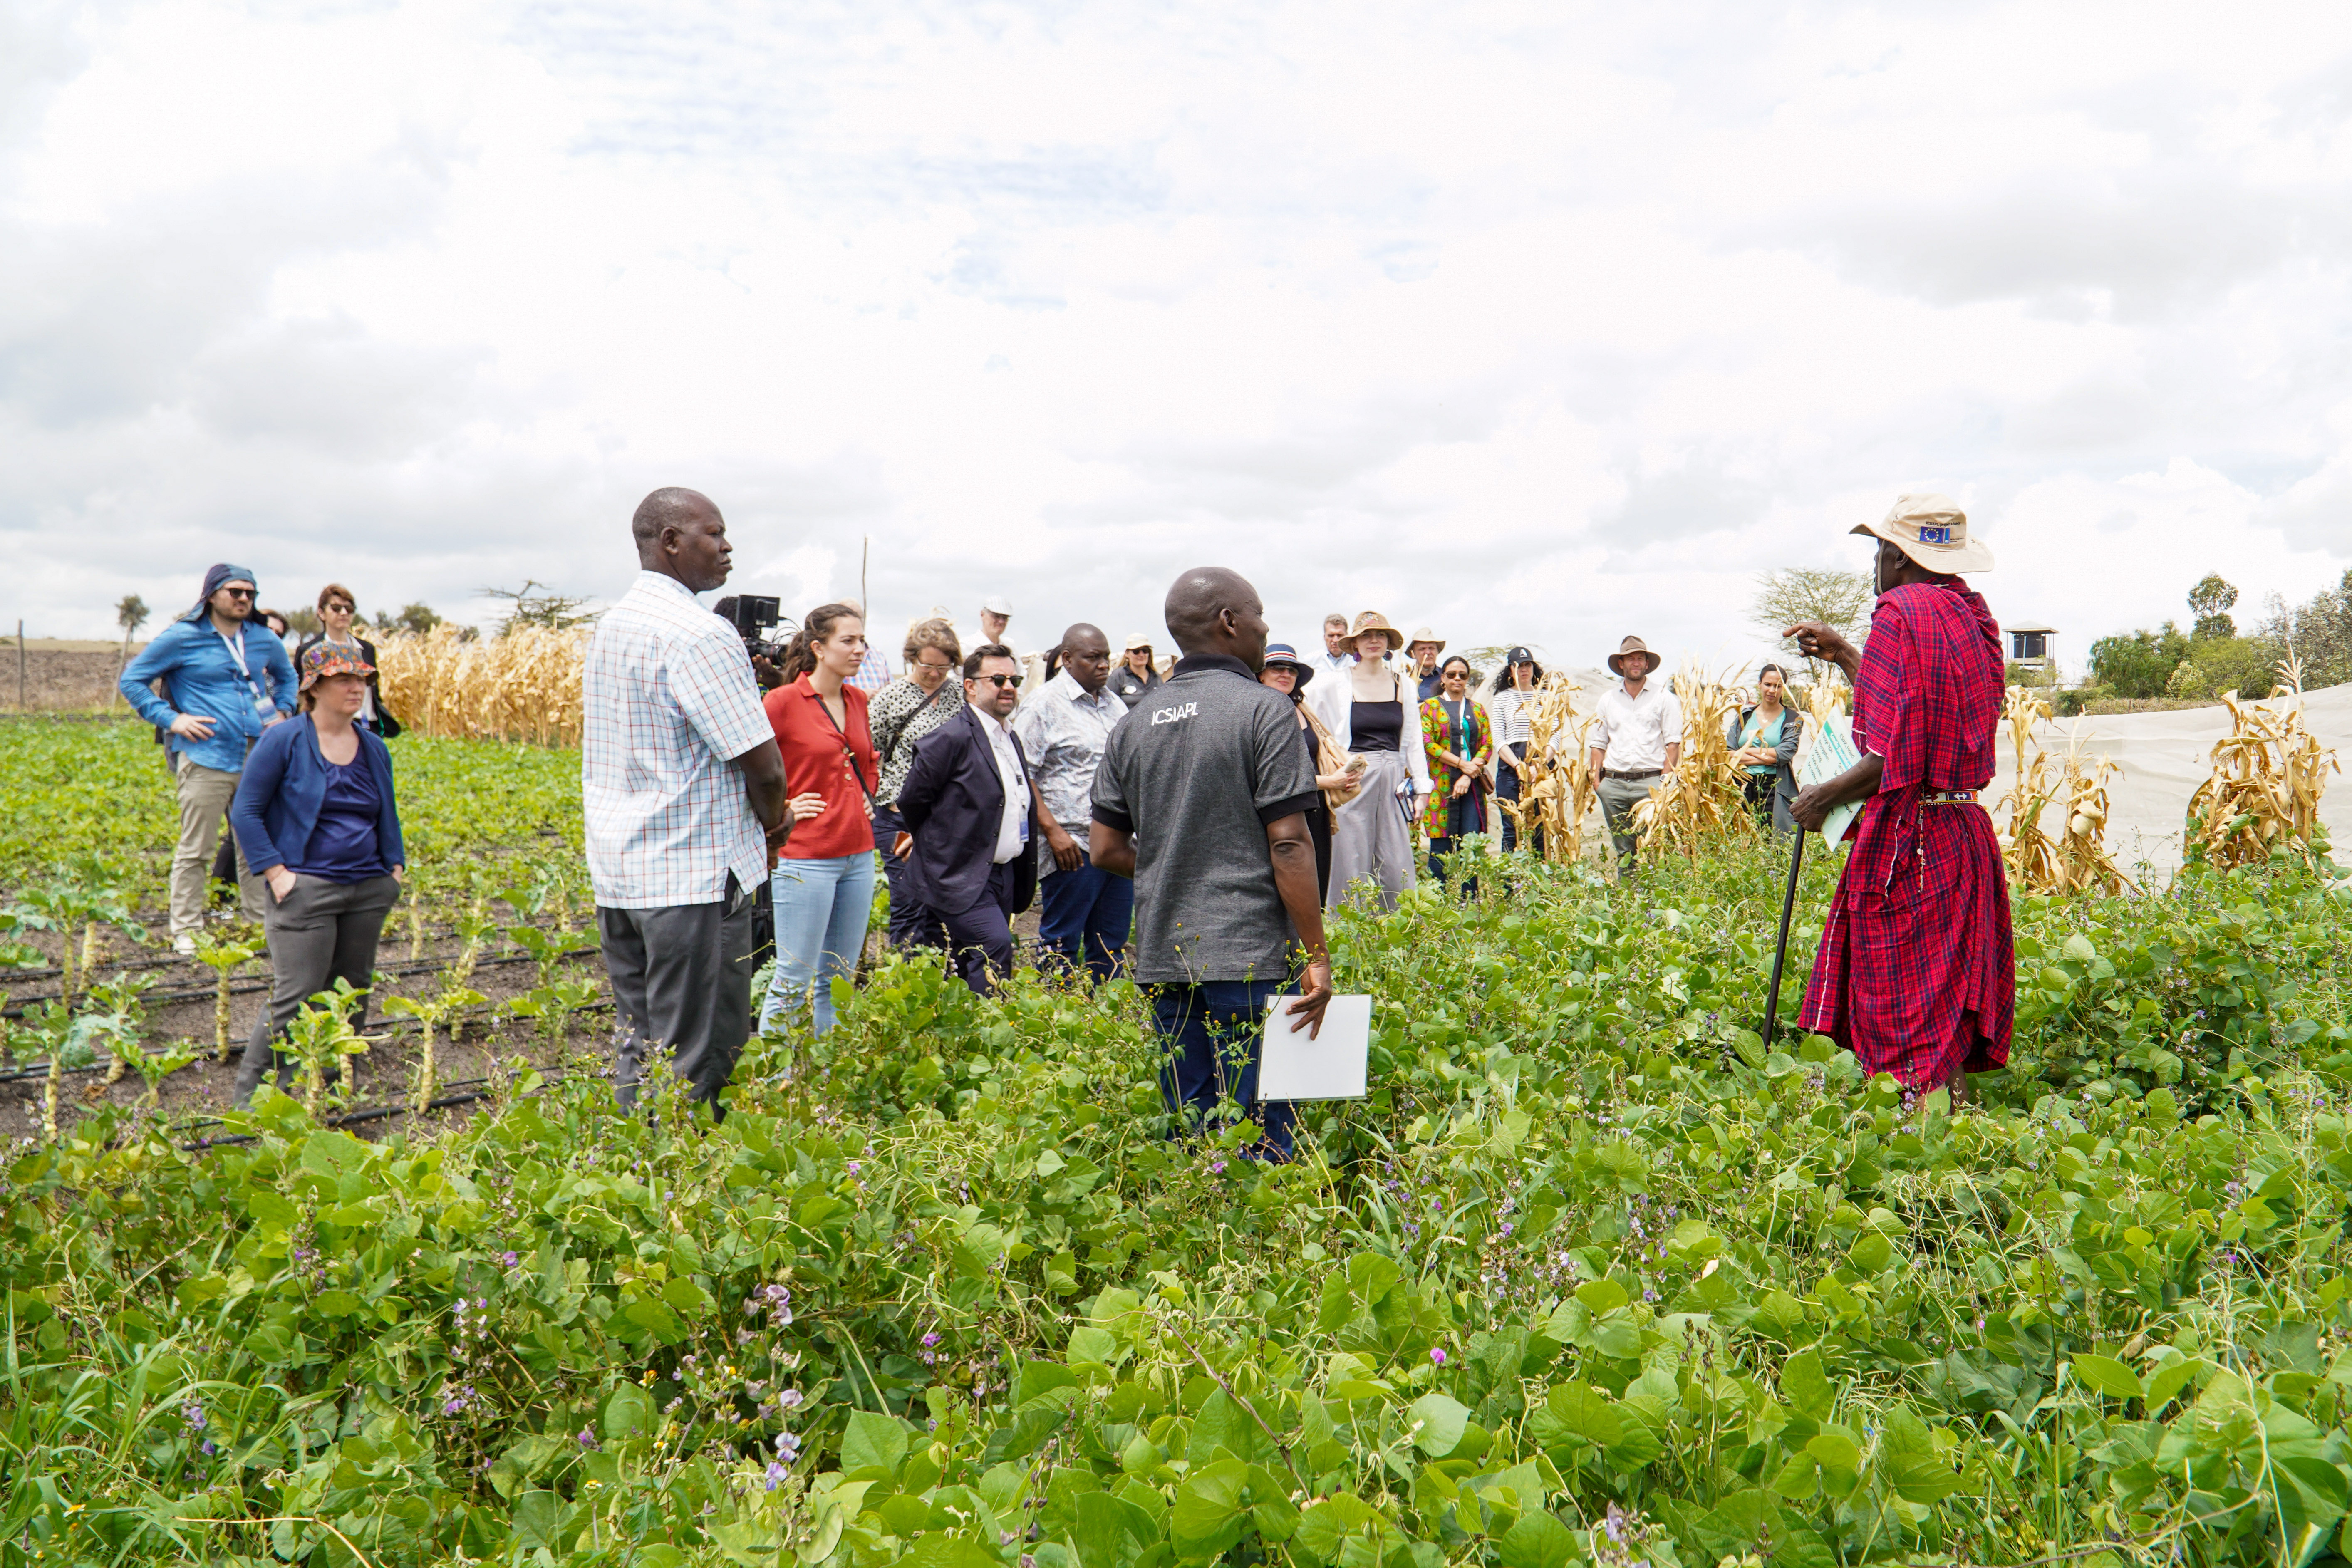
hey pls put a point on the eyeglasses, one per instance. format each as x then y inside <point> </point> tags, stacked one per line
<point>238,593</point>
<point>927,664</point>
<point>999,681</point>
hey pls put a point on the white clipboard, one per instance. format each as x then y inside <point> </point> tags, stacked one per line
<point>1833,754</point>
<point>1330,1067</point>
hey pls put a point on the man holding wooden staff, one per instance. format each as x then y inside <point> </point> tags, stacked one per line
<point>1916,973</point>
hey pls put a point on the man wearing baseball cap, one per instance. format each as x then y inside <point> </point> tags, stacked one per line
<point>1916,974</point>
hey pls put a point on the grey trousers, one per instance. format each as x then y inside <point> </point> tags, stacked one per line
<point>205,795</point>
<point>681,978</point>
<point>319,933</point>
<point>1370,841</point>
<point>1618,799</point>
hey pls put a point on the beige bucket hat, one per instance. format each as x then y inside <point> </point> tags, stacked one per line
<point>1933,531</point>
<point>1425,634</point>
<point>1138,641</point>
<point>1633,648</point>
<point>1373,621</point>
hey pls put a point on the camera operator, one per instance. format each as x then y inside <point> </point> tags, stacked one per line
<point>754,616</point>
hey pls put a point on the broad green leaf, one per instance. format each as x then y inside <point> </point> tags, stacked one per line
<point>1440,1419</point>
<point>1538,1540</point>
<point>628,1413</point>
<point>872,1442</point>
<point>1805,1387</point>
<point>2109,1376</point>
<point>2170,1379</point>
<point>1208,1514</point>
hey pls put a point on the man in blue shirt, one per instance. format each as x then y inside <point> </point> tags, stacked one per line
<point>225,679</point>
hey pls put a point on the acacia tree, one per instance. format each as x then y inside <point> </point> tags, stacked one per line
<point>1839,600</point>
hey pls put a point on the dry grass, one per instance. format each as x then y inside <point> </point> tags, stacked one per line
<point>523,686</point>
<point>1556,782</point>
<point>2076,860</point>
<point>1699,802</point>
<point>2269,773</point>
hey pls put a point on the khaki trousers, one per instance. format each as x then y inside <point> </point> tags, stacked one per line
<point>205,795</point>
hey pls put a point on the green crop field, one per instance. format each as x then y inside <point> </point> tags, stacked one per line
<point>1593,1278</point>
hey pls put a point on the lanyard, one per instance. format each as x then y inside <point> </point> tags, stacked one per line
<point>261,704</point>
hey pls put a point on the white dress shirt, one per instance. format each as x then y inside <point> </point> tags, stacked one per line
<point>1635,730</point>
<point>1013,832</point>
<point>1062,731</point>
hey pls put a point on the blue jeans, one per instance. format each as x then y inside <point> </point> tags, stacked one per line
<point>1211,1035</point>
<point>1087,917</point>
<point>822,907</point>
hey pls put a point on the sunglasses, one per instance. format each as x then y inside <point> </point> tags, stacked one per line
<point>238,593</point>
<point>999,681</point>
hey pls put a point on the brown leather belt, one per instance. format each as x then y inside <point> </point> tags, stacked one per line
<point>1948,797</point>
<point>1631,777</point>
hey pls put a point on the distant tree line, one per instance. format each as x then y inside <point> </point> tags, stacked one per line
<point>2211,657</point>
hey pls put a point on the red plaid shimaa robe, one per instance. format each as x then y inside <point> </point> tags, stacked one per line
<point>1916,973</point>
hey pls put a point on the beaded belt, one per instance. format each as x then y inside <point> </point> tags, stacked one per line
<point>1948,797</point>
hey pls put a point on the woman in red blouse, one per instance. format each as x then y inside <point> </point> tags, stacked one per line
<point>824,882</point>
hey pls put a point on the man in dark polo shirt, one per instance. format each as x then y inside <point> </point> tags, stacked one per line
<point>1201,797</point>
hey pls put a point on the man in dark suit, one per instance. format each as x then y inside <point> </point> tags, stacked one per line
<point>966,806</point>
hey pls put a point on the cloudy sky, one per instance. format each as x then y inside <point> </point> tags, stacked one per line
<point>1540,323</point>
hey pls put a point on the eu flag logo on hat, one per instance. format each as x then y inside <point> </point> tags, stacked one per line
<point>1937,534</point>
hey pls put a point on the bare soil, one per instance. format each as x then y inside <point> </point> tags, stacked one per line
<point>59,678</point>
<point>181,1005</point>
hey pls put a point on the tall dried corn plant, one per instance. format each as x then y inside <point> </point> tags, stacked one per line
<point>2076,860</point>
<point>523,686</point>
<point>1556,783</point>
<point>2269,773</point>
<point>1700,799</point>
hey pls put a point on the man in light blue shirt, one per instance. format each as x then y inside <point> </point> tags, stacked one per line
<point>225,679</point>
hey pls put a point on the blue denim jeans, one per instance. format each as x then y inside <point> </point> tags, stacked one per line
<point>822,907</point>
<point>1087,913</point>
<point>1211,1035</point>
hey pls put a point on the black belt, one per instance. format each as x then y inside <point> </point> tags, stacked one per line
<point>1948,797</point>
<point>1632,777</point>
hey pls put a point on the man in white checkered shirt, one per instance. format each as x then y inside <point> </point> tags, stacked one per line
<point>684,795</point>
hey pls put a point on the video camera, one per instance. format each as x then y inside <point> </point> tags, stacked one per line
<point>753,616</point>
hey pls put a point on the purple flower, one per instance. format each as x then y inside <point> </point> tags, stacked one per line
<point>931,1340</point>
<point>788,1447</point>
<point>508,1259</point>
<point>587,1437</point>
<point>1437,1356</point>
<point>192,1416</point>
<point>788,1399</point>
<point>776,1474</point>
<point>208,1448</point>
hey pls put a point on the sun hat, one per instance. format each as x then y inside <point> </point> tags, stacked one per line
<point>1373,621</point>
<point>998,604</point>
<point>1629,647</point>
<point>1138,641</point>
<point>1932,530</point>
<point>1422,634</point>
<point>1286,657</point>
<point>325,659</point>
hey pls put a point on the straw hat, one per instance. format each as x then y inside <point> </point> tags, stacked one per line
<point>1373,621</point>
<point>1136,642</point>
<point>1933,532</point>
<point>1633,648</point>
<point>1425,634</point>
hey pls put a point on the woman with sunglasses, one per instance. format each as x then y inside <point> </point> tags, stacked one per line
<point>902,713</point>
<point>338,613</point>
<point>1455,734</point>
<point>822,884</point>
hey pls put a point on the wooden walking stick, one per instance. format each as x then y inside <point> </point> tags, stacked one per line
<point>1781,954</point>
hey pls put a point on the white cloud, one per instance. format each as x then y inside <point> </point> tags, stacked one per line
<point>1534,325</point>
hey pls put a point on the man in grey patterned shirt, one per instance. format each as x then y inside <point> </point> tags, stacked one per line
<point>1063,730</point>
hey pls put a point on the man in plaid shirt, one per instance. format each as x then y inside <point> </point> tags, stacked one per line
<point>684,795</point>
<point>1916,974</point>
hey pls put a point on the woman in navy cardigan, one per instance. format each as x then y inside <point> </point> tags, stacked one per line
<point>315,816</point>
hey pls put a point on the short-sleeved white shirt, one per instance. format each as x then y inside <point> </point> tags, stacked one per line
<point>669,702</point>
<point>1636,731</point>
